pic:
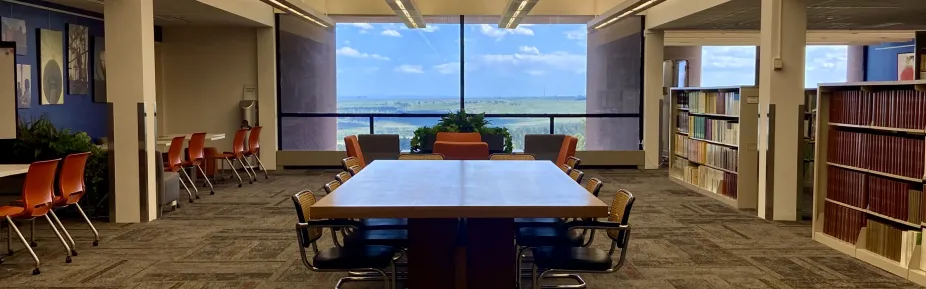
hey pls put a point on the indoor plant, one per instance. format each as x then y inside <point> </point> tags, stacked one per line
<point>498,138</point>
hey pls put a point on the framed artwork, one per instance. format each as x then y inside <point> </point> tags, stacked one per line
<point>23,86</point>
<point>14,30</point>
<point>99,69</point>
<point>905,63</point>
<point>78,60</point>
<point>51,71</point>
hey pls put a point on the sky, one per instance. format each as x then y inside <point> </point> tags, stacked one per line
<point>390,60</point>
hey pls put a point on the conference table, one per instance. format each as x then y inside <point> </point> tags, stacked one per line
<point>12,170</point>
<point>461,213</point>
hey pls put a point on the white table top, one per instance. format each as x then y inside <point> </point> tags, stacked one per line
<point>459,189</point>
<point>165,139</point>
<point>10,170</point>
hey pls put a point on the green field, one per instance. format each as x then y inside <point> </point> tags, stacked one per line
<point>518,127</point>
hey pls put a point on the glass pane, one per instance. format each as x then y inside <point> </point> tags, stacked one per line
<point>728,65</point>
<point>402,126</point>
<point>320,133</point>
<point>574,126</point>
<point>518,127</point>
<point>826,64</point>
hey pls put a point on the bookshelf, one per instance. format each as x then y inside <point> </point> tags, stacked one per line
<point>805,201</point>
<point>869,173</point>
<point>714,142</point>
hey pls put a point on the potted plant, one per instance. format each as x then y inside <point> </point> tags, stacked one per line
<point>498,138</point>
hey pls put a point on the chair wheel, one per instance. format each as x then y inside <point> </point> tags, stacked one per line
<point>266,177</point>
<point>68,260</point>
<point>96,243</point>
<point>73,252</point>
<point>250,182</point>
<point>212,193</point>
<point>191,201</point>
<point>36,271</point>
<point>10,253</point>
<point>33,244</point>
<point>197,197</point>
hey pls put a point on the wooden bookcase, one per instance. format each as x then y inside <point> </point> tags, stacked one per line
<point>869,173</point>
<point>724,165</point>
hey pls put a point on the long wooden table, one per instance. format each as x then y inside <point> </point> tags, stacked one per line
<point>12,170</point>
<point>461,213</point>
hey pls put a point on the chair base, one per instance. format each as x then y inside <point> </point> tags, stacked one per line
<point>358,279</point>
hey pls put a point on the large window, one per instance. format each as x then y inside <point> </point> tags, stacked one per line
<point>736,65</point>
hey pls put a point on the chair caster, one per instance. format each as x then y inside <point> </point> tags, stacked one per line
<point>212,193</point>
<point>68,260</point>
<point>96,243</point>
<point>239,185</point>
<point>36,271</point>
<point>73,252</point>
<point>33,244</point>
<point>191,201</point>
<point>266,177</point>
<point>10,253</point>
<point>197,197</point>
<point>250,182</point>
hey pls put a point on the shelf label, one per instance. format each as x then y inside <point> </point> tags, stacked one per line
<point>752,99</point>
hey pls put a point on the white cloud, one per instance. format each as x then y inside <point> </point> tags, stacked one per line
<point>430,28</point>
<point>408,68</point>
<point>535,72</point>
<point>362,26</point>
<point>390,32</point>
<point>557,60</point>
<point>498,34</point>
<point>529,49</point>
<point>448,68</point>
<point>370,69</point>
<point>350,52</point>
<point>578,34</point>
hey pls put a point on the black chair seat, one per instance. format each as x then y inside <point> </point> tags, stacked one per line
<point>536,222</point>
<point>384,223</point>
<point>571,258</point>
<point>354,257</point>
<point>392,238</point>
<point>548,236</point>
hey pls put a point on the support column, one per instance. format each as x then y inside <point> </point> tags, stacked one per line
<point>267,95</point>
<point>653,91</point>
<point>131,92</point>
<point>781,93</point>
<point>855,63</point>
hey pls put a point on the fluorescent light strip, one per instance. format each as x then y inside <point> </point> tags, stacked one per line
<point>633,11</point>
<point>517,12</point>
<point>293,11</point>
<point>407,14</point>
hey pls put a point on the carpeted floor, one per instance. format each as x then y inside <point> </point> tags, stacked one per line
<point>243,238</point>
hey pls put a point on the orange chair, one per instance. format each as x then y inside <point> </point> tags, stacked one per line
<point>196,156</point>
<point>567,150</point>
<point>254,149</point>
<point>462,150</point>
<point>236,154</point>
<point>353,149</point>
<point>37,199</point>
<point>70,189</point>
<point>174,164</point>
<point>459,136</point>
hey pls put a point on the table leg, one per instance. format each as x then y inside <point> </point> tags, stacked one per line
<point>432,254</point>
<point>490,253</point>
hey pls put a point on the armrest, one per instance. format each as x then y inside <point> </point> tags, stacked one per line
<point>603,225</point>
<point>330,223</point>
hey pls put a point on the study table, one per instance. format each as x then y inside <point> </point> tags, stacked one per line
<point>482,198</point>
<point>12,170</point>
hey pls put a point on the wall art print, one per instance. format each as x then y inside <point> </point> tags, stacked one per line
<point>51,66</point>
<point>78,60</point>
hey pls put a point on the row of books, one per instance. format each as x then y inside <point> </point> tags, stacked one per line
<point>883,153</point>
<point>710,179</point>
<point>718,130</point>
<point>890,241</point>
<point>678,167</point>
<point>682,121</point>
<point>727,103</point>
<point>681,144</point>
<point>846,186</point>
<point>896,199</point>
<point>711,154</point>
<point>889,108</point>
<point>842,222</point>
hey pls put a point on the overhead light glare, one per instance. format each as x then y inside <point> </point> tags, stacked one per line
<point>302,11</point>
<point>622,11</point>
<point>514,12</point>
<point>406,10</point>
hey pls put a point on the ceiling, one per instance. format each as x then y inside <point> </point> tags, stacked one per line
<point>463,7</point>
<point>174,13</point>
<point>821,15</point>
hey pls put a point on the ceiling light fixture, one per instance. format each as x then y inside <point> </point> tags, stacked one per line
<point>297,8</point>
<point>406,10</point>
<point>514,12</point>
<point>622,11</point>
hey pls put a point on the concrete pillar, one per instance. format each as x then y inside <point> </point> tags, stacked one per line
<point>783,42</point>
<point>855,63</point>
<point>131,92</point>
<point>267,95</point>
<point>653,91</point>
<point>693,55</point>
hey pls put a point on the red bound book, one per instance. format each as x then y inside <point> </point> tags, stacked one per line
<point>903,109</point>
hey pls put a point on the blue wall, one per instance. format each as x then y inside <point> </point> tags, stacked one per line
<point>882,60</point>
<point>79,112</point>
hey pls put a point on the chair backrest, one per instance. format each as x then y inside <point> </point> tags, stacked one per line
<point>342,176</point>
<point>304,201</point>
<point>459,136</point>
<point>238,142</point>
<point>620,212</point>
<point>565,168</point>
<point>349,162</point>
<point>594,186</point>
<point>175,153</point>
<point>462,150</point>
<point>331,186</point>
<point>39,187</point>
<point>354,170</point>
<point>543,146</point>
<point>71,177</point>
<point>353,149</point>
<point>421,157</point>
<point>576,175</point>
<point>567,149</point>
<point>196,147</point>
<point>512,157</point>
<point>254,140</point>
<point>573,162</point>
<point>379,147</point>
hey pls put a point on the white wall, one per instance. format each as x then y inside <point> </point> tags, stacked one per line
<point>205,70</point>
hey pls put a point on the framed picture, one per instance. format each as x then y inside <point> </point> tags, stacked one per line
<point>12,29</point>
<point>99,69</point>
<point>905,66</point>
<point>23,86</point>
<point>78,60</point>
<point>51,70</point>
